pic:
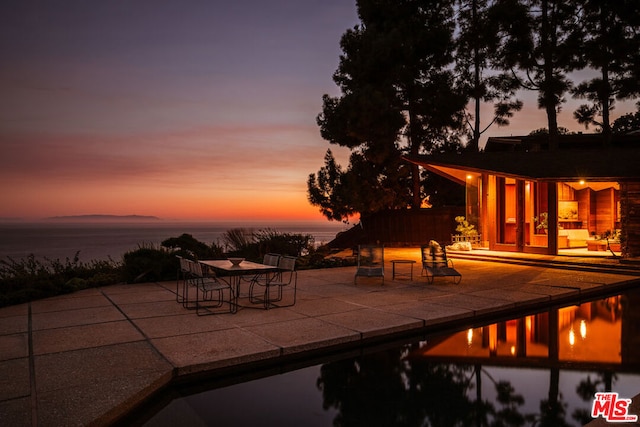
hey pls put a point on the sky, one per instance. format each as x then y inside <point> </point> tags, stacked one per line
<point>180,109</point>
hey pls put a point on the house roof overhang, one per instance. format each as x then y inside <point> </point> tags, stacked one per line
<point>558,165</point>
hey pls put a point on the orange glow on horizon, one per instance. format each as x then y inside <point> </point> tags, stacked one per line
<point>83,175</point>
<point>175,204</point>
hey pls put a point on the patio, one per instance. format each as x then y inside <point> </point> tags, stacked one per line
<point>92,356</point>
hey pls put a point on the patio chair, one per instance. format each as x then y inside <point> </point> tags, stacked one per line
<point>274,260</point>
<point>436,264</point>
<point>183,277</point>
<point>271,259</point>
<point>188,281</point>
<point>287,277</point>
<point>370,262</point>
<point>208,290</point>
<point>268,259</point>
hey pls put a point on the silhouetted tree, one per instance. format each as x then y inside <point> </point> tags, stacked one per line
<point>384,389</point>
<point>396,388</point>
<point>189,246</point>
<point>545,131</point>
<point>586,390</point>
<point>553,413</point>
<point>627,123</point>
<point>367,391</point>
<point>540,44</point>
<point>610,47</point>
<point>398,95</point>
<point>328,191</point>
<point>476,42</point>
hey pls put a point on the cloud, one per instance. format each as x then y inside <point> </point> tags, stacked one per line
<point>271,156</point>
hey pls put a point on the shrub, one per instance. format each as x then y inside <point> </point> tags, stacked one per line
<point>253,245</point>
<point>186,245</point>
<point>283,243</point>
<point>29,278</point>
<point>239,239</point>
<point>149,264</point>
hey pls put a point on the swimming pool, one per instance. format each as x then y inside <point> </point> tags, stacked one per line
<point>541,369</point>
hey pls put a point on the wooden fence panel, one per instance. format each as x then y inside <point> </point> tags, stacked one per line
<point>411,227</point>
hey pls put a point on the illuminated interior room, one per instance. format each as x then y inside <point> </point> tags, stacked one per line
<point>523,197</point>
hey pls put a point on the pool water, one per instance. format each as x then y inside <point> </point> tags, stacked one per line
<point>541,369</point>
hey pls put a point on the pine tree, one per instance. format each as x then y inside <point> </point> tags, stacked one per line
<point>476,43</point>
<point>610,49</point>
<point>398,96</point>
<point>540,44</point>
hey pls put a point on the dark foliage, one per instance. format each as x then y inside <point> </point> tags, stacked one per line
<point>409,68</point>
<point>399,97</point>
<point>147,264</point>
<point>186,245</point>
<point>627,123</point>
<point>273,241</point>
<point>29,279</point>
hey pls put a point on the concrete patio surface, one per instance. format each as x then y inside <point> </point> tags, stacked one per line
<point>90,357</point>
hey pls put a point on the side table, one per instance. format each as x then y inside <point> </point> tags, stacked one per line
<point>405,274</point>
<point>596,245</point>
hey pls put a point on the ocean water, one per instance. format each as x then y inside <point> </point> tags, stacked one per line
<point>104,240</point>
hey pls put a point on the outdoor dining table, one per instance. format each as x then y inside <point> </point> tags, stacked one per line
<point>234,274</point>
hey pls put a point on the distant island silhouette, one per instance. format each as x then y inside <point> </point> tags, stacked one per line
<point>99,217</point>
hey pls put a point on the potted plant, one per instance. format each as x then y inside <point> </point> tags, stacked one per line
<point>466,232</point>
<point>543,222</point>
<point>613,239</point>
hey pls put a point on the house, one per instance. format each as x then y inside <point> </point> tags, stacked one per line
<point>524,197</point>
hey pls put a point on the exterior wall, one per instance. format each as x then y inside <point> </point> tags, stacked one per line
<point>630,219</point>
<point>605,211</point>
<point>411,227</point>
<point>587,208</point>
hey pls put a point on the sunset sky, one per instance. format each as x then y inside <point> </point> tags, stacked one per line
<point>181,109</point>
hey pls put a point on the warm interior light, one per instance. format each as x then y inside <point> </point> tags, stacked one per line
<point>582,182</point>
<point>493,339</point>
<point>469,177</point>
<point>572,338</point>
<point>513,350</point>
<point>469,336</point>
<point>583,329</point>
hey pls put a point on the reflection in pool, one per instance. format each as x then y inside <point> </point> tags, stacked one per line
<point>539,370</point>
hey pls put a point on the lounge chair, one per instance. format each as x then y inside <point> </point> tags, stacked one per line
<point>436,264</point>
<point>370,262</point>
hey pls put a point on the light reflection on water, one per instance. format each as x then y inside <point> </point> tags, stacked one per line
<point>529,371</point>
